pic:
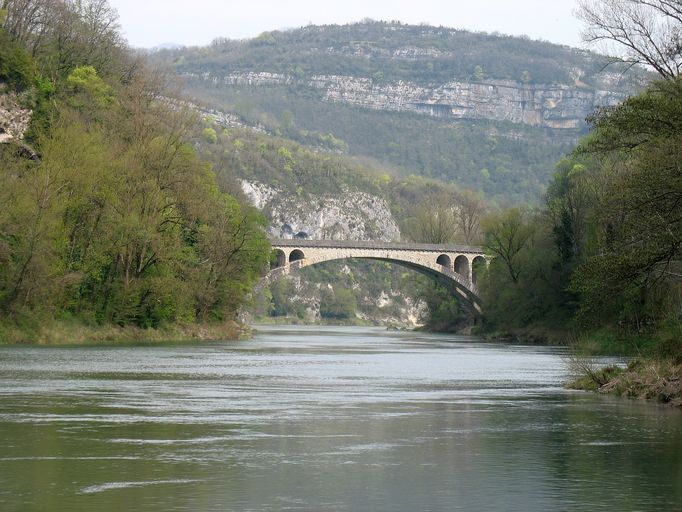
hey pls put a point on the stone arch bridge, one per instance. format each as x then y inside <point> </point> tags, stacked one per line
<point>454,266</point>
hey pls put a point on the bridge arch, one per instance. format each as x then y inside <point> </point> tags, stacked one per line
<point>449,265</point>
<point>279,258</point>
<point>296,255</point>
<point>444,260</point>
<point>478,265</point>
<point>462,265</point>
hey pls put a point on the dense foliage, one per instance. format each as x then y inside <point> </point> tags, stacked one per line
<point>118,220</point>
<point>604,252</point>
<point>17,69</point>
<point>282,163</point>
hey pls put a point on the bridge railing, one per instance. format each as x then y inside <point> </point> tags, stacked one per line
<point>352,244</point>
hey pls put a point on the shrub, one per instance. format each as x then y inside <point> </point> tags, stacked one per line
<point>16,66</point>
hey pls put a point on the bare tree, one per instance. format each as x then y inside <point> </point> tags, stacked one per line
<point>647,32</point>
<point>27,20</point>
<point>68,33</point>
<point>469,209</point>
<point>433,220</point>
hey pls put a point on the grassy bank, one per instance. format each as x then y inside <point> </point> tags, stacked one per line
<point>74,332</point>
<point>651,379</point>
<point>654,373</point>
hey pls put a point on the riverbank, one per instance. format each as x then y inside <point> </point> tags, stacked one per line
<point>74,332</point>
<point>654,373</point>
<point>651,379</point>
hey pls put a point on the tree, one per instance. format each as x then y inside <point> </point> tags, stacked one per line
<point>26,21</point>
<point>648,31</point>
<point>210,135</point>
<point>570,200</point>
<point>64,34</point>
<point>479,74</point>
<point>638,234</point>
<point>507,235</point>
<point>338,304</point>
<point>87,87</point>
<point>433,221</point>
<point>16,66</point>
<point>469,209</point>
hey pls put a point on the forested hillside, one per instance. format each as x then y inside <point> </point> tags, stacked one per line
<point>109,218</point>
<point>486,112</point>
<point>422,54</point>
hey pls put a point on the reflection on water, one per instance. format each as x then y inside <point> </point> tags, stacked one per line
<point>324,419</point>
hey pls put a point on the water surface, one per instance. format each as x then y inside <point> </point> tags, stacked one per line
<point>325,419</point>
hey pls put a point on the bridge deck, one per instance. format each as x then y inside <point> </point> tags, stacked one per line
<point>352,244</point>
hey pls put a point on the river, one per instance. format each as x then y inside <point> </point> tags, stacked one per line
<point>325,419</point>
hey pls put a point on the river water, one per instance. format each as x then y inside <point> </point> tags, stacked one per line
<point>325,419</point>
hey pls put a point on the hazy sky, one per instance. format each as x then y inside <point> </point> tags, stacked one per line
<point>147,23</point>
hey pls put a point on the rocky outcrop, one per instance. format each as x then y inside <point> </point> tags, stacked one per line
<point>389,307</point>
<point>349,215</point>
<point>14,119</point>
<point>224,119</point>
<point>556,106</point>
<point>393,307</point>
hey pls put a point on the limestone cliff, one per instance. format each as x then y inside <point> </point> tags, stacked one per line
<point>14,119</point>
<point>349,215</point>
<point>388,307</point>
<point>558,106</point>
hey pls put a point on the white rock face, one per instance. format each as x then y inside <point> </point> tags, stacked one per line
<point>224,119</point>
<point>349,215</point>
<point>258,193</point>
<point>410,314</point>
<point>14,120</point>
<point>556,106</point>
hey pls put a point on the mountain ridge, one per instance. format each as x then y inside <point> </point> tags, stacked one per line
<point>485,112</point>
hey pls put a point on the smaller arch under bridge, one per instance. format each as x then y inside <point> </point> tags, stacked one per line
<point>454,266</point>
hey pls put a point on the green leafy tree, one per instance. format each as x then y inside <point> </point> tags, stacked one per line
<point>337,304</point>
<point>210,135</point>
<point>85,84</point>
<point>17,68</point>
<point>507,236</point>
<point>638,235</point>
<point>479,74</point>
<point>433,221</point>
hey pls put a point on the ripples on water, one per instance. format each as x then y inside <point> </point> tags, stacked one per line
<point>324,419</point>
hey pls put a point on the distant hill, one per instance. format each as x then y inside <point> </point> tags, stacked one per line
<point>487,112</point>
<point>420,54</point>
